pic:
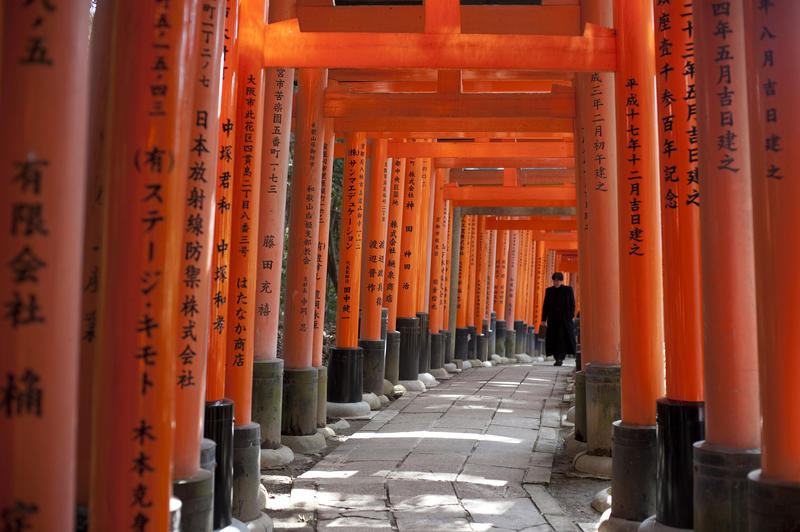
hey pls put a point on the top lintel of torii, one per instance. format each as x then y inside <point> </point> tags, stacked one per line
<point>440,34</point>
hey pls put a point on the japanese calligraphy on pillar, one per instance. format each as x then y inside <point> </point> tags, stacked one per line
<point>773,93</point>
<point>677,102</point>
<point>463,271</point>
<point>597,177</point>
<point>376,247</point>
<point>633,178</point>
<point>500,266</point>
<point>279,85</point>
<point>351,231</point>
<point>394,230</point>
<point>322,241</point>
<point>410,236</point>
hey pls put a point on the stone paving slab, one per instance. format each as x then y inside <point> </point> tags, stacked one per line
<point>475,454</point>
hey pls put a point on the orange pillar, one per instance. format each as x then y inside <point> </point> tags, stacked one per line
<point>146,156</point>
<point>511,291</point>
<point>500,279</point>
<point>391,273</point>
<point>732,417</point>
<point>447,242</point>
<point>244,216</point>
<point>541,282</point>
<point>680,413</point>
<point>44,50</point>
<point>438,248</point>
<point>300,383</point>
<point>100,51</point>
<point>426,193</point>
<point>461,334</point>
<point>345,362</point>
<point>192,303</point>
<point>772,45</point>
<point>482,266</point>
<point>640,258</point>
<point>221,253</point>
<point>376,207</point>
<point>489,300</point>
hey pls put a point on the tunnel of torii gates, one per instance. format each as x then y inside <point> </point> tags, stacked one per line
<point>147,183</point>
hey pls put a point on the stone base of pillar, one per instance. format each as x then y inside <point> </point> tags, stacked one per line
<point>580,406</point>
<point>472,343</point>
<point>372,399</point>
<point>305,444</point>
<point>594,466</point>
<point>345,375</point>
<point>602,406</point>
<point>322,396</point>
<point>616,524</point>
<point>511,342</point>
<point>437,351</point>
<point>349,410</point>
<point>680,424</point>
<point>428,380</point>
<point>451,367</point>
<point>522,358</point>
<point>447,343</point>
<point>247,472</point>
<point>720,486</point>
<point>483,347</point>
<point>268,400</point>
<point>196,494</point>
<point>392,364</point>
<point>772,504</point>
<point>634,467</point>
<point>409,348</point>
<point>263,523</point>
<point>388,388</point>
<point>440,374</point>
<point>462,343</point>
<point>500,338</point>
<point>651,524</point>
<point>475,363</point>
<point>174,514</point>
<point>276,457</point>
<point>218,427</point>
<point>519,345</point>
<point>374,365</point>
<point>384,322</point>
<point>415,385</point>
<point>300,397</point>
<point>424,342</point>
<point>492,332</point>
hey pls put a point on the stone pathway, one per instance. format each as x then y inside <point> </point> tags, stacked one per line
<point>473,454</point>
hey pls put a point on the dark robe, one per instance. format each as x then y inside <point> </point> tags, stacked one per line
<point>558,310</point>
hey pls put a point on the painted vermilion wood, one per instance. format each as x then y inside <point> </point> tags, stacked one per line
<point>285,44</point>
<point>438,248</point>
<point>519,302</point>
<point>45,80</point>
<point>146,155</point>
<point>500,269</point>
<point>726,234</point>
<point>224,178</point>
<point>407,274</point>
<point>198,220</point>
<point>394,233</point>
<point>584,146</point>
<point>679,151</point>
<point>482,266</point>
<point>641,302</point>
<point>538,148</point>
<point>100,52</point>
<point>350,228</point>
<point>490,269</point>
<point>772,43</point>
<point>541,281</point>
<point>423,222</point>
<point>321,284</point>
<point>377,206</point>
<point>463,272</point>
<point>511,277</point>
<point>531,282</point>
<point>454,127</point>
<point>446,273</point>
<point>301,267</point>
<point>271,223</point>
<point>474,246</point>
<point>442,16</point>
<point>245,214</point>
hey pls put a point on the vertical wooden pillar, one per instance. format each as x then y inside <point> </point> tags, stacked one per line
<point>489,299</point>
<point>391,274</point>
<point>481,267</point>
<point>146,160</point>
<point>438,249</point>
<point>221,253</point>
<point>511,292</point>
<point>195,270</point>
<point>772,46</point>
<point>634,452</point>
<point>541,282</point>
<point>461,332</point>
<point>500,273</point>
<point>584,157</point>
<point>346,360</point>
<point>376,207</point>
<point>680,413</point>
<point>447,232</point>
<point>300,384</point>
<point>100,53</point>
<point>732,418</point>
<point>44,49</point>
<point>422,265</point>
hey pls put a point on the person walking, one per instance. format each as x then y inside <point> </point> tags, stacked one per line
<point>557,313</point>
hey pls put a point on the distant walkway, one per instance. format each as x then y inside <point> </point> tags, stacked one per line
<point>470,454</point>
